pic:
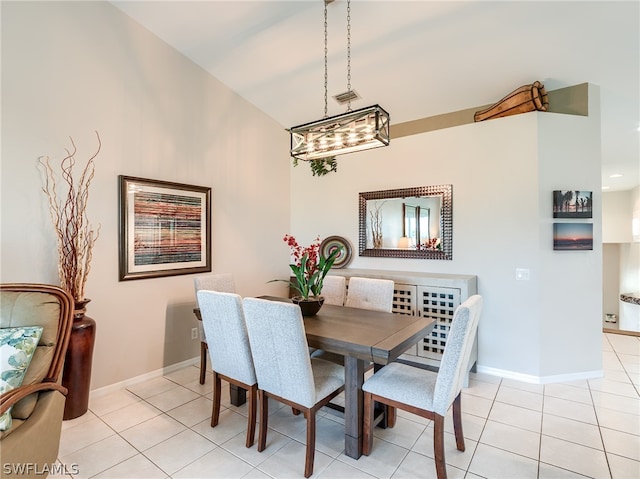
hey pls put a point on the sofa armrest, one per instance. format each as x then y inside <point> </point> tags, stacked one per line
<point>10,398</point>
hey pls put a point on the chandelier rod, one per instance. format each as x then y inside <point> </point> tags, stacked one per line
<point>349,53</point>
<point>326,50</point>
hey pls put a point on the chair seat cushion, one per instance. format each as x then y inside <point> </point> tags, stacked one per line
<point>405,384</point>
<point>327,377</point>
<point>17,346</point>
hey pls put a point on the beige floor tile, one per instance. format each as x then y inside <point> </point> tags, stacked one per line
<point>89,415</point>
<point>625,344</point>
<point>512,439</point>
<point>136,467</point>
<point>620,421</point>
<point>82,435</point>
<point>404,434</point>
<point>573,431</point>
<point>383,460</point>
<point>193,412</point>
<point>516,416</point>
<point>521,398</point>
<point>172,398</point>
<point>571,393</point>
<point>130,415</point>
<point>229,425</point>
<point>289,460</point>
<point>614,387</point>
<point>472,425</point>
<point>459,459</point>
<point>152,431</point>
<point>236,445</point>
<point>114,401</point>
<point>621,443</point>
<point>216,464</point>
<point>491,462</point>
<point>482,389</point>
<point>184,375</point>
<point>574,457</point>
<point>338,469</point>
<point>151,387</point>
<point>100,456</point>
<point>616,402</point>
<point>329,437</point>
<point>623,467</point>
<point>178,451</point>
<point>569,409</point>
<point>476,405</point>
<point>547,471</point>
<point>532,388</point>
<point>417,466</point>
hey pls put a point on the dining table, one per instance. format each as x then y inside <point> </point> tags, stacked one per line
<point>362,337</point>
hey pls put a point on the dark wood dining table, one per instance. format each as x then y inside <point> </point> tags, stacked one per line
<point>362,336</point>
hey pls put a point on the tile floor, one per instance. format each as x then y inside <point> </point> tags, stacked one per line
<point>160,429</point>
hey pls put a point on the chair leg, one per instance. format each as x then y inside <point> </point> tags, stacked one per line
<point>438,446</point>
<point>264,414</point>
<point>457,422</point>
<point>367,427</point>
<point>203,361</point>
<point>215,413</point>
<point>391,416</point>
<point>311,442</point>
<point>253,411</point>
<point>296,412</point>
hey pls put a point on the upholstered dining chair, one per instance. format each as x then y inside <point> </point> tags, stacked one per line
<point>334,289</point>
<point>211,282</point>
<point>370,293</point>
<point>284,369</point>
<point>230,353</point>
<point>426,393</point>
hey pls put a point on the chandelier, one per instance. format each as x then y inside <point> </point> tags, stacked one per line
<point>355,130</point>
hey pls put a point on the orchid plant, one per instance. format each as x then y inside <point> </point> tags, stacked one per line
<point>310,266</point>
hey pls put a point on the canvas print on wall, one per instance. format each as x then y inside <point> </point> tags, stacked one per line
<point>572,204</point>
<point>164,228</point>
<point>572,236</point>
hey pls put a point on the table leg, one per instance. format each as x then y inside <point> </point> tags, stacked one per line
<point>238,395</point>
<point>354,403</point>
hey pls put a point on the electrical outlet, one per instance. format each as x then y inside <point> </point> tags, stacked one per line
<point>522,274</point>
<point>194,333</point>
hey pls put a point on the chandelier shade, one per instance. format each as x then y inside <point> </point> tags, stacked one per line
<point>354,130</point>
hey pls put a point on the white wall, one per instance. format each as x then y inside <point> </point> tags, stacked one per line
<point>70,68</point>
<point>616,217</point>
<point>503,174</point>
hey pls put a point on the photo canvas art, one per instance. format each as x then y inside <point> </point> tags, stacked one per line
<point>572,236</point>
<point>572,204</point>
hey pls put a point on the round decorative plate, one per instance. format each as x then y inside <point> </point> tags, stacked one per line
<point>331,243</point>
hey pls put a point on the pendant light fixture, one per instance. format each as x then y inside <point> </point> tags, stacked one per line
<point>355,130</point>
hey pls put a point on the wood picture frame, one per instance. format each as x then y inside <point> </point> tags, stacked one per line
<point>164,228</point>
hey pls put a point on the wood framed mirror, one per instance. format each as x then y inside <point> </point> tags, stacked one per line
<point>407,223</point>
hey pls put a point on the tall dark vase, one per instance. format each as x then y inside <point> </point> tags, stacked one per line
<point>76,376</point>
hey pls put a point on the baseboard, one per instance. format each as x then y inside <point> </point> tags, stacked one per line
<point>103,391</point>
<point>527,378</point>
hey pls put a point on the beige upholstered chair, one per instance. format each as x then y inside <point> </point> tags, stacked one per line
<point>284,369</point>
<point>211,282</point>
<point>37,406</point>
<point>334,289</point>
<point>231,360</point>
<point>370,293</point>
<point>427,393</point>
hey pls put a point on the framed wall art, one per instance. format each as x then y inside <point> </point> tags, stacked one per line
<point>572,204</point>
<point>164,228</point>
<point>572,236</point>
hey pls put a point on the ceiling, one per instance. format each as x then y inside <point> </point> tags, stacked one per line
<point>415,58</point>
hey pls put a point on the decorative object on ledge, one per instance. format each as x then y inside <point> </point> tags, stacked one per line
<point>435,235</point>
<point>319,142</point>
<point>76,238</point>
<point>522,100</point>
<point>330,244</point>
<point>165,228</point>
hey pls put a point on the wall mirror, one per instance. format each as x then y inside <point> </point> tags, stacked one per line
<point>407,223</point>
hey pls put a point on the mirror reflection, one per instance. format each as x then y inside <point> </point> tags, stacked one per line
<point>409,223</point>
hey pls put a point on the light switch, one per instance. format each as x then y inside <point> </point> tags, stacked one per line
<point>522,274</point>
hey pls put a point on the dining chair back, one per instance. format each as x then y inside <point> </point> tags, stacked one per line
<point>211,282</point>
<point>370,293</point>
<point>334,289</point>
<point>284,369</point>
<point>427,393</point>
<point>229,350</point>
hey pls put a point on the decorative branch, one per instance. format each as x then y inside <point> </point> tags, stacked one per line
<point>376,225</point>
<point>76,236</point>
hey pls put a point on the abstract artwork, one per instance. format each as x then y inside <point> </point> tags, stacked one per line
<point>164,228</point>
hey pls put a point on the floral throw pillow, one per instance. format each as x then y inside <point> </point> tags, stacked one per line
<point>17,346</point>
